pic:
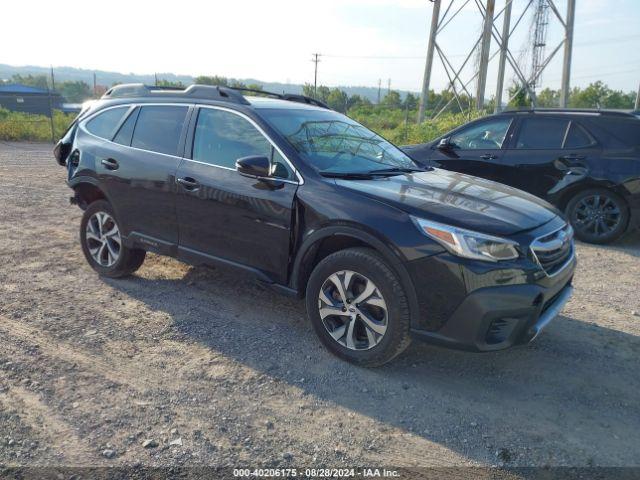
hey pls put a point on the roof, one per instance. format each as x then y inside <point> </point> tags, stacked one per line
<point>23,89</point>
<point>209,93</point>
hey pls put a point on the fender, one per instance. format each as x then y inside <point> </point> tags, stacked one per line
<point>76,181</point>
<point>310,245</point>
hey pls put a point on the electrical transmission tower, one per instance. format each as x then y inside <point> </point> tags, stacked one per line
<point>540,22</point>
<point>501,34</point>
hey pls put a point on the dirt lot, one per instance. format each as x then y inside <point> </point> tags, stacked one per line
<point>214,369</point>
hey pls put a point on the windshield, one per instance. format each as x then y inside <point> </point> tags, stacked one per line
<point>333,143</point>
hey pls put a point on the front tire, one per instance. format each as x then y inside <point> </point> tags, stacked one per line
<point>102,243</point>
<point>358,307</point>
<point>598,215</point>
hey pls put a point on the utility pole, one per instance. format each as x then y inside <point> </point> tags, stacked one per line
<point>426,79</point>
<point>156,77</point>
<point>484,53</point>
<point>316,60</point>
<point>568,46</point>
<point>388,86</point>
<point>379,87</point>
<point>637,106</point>
<point>95,86</point>
<point>53,86</point>
<point>504,48</point>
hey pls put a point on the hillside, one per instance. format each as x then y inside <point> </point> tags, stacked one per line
<point>106,78</point>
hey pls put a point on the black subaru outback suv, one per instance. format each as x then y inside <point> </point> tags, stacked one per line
<point>316,205</point>
<point>586,162</point>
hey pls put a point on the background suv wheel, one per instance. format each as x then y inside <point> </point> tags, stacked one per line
<point>598,215</point>
<point>102,244</point>
<point>358,307</point>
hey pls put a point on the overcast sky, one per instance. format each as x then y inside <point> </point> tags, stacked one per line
<point>274,40</point>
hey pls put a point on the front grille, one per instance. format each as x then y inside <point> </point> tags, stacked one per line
<point>554,249</point>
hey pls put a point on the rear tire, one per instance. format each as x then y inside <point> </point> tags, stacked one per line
<point>102,244</point>
<point>358,307</point>
<point>598,215</point>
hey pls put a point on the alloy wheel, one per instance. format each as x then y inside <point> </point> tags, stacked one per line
<point>353,310</point>
<point>596,215</point>
<point>103,239</point>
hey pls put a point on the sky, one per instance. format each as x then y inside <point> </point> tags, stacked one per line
<point>274,41</point>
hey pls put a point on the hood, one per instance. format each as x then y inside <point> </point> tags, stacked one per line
<point>460,200</point>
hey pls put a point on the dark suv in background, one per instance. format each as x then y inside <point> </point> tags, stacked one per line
<point>586,162</point>
<point>317,206</point>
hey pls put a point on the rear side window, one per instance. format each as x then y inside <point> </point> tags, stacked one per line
<point>222,137</point>
<point>542,133</point>
<point>158,129</point>
<point>577,137</point>
<point>104,124</point>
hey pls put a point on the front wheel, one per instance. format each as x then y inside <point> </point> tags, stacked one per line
<point>598,215</point>
<point>358,307</point>
<point>102,244</point>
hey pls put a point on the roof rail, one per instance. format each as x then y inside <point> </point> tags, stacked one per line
<point>208,92</point>
<point>585,111</point>
<point>292,97</point>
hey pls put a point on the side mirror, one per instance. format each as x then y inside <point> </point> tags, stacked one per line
<point>257,166</point>
<point>444,144</point>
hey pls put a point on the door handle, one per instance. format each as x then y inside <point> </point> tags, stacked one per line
<point>110,163</point>
<point>188,183</point>
<point>488,156</point>
<point>572,157</point>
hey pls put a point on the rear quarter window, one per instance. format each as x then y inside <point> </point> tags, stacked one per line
<point>103,125</point>
<point>625,131</point>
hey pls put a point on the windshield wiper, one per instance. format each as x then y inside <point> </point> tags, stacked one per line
<point>383,171</point>
<point>348,175</point>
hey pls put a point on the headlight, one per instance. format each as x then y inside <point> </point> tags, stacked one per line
<point>468,244</point>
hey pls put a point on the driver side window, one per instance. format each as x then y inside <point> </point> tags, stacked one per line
<point>221,137</point>
<point>488,135</point>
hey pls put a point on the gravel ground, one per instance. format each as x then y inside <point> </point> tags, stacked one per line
<point>186,366</point>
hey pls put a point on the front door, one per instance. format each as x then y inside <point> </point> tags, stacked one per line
<point>223,215</point>
<point>476,149</point>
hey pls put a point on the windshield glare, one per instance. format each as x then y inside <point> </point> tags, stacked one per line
<point>332,142</point>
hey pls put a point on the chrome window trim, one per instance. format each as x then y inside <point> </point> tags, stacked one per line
<point>262,132</point>
<point>82,125</point>
<point>569,259</point>
<point>84,121</point>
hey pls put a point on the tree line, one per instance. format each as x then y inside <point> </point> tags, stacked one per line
<point>595,95</point>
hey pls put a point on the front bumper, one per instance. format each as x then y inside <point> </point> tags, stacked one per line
<point>495,317</point>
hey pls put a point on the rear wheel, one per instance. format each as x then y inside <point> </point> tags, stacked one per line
<point>358,307</point>
<point>102,243</point>
<point>598,215</point>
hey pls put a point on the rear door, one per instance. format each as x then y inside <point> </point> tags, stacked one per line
<point>476,149</point>
<point>138,171</point>
<point>548,152</point>
<point>226,216</point>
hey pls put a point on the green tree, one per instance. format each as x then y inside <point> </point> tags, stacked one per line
<point>212,80</point>
<point>338,100</point>
<point>548,98</point>
<point>75,91</point>
<point>599,95</point>
<point>168,83</point>
<point>38,81</point>
<point>519,96</point>
<point>392,100</point>
<point>410,101</point>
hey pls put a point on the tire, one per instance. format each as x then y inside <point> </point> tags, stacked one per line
<point>384,306</point>
<point>598,215</point>
<point>103,248</point>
